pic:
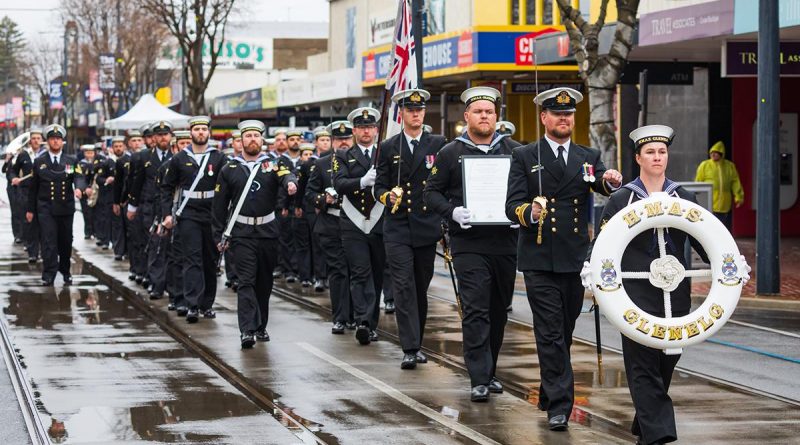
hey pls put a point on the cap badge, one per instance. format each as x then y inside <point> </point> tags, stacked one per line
<point>415,97</point>
<point>342,128</point>
<point>563,98</point>
<point>365,114</point>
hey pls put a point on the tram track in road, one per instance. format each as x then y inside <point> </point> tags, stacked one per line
<point>290,420</point>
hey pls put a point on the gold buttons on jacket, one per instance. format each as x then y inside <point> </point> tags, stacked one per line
<point>553,229</point>
<point>552,199</point>
<point>576,230</point>
<point>423,182</point>
<point>408,184</point>
<point>575,201</point>
<point>552,210</point>
<point>552,220</point>
<point>576,220</point>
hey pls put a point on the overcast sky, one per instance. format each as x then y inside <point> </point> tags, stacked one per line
<point>40,19</point>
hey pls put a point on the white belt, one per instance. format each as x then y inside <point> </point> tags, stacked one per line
<point>198,195</point>
<point>255,220</point>
<point>334,212</point>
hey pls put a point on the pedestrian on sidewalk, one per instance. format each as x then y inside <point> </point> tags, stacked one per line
<point>727,189</point>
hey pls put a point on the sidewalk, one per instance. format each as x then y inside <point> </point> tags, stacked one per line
<point>790,275</point>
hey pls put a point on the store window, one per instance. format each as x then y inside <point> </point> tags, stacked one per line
<point>351,37</point>
<point>434,17</point>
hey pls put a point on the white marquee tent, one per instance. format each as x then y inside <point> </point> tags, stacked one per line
<point>147,110</point>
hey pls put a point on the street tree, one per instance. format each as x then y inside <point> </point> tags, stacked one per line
<point>12,45</point>
<point>37,74</point>
<point>600,73</point>
<point>194,23</point>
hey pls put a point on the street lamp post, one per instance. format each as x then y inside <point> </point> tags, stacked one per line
<point>70,32</point>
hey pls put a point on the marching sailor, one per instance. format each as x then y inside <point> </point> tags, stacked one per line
<point>410,230</point>
<point>554,237</point>
<point>484,256</point>
<point>87,167</point>
<point>249,186</point>
<point>193,172</point>
<point>22,173</point>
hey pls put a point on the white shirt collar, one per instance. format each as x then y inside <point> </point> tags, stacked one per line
<point>363,148</point>
<point>409,139</point>
<point>554,146</point>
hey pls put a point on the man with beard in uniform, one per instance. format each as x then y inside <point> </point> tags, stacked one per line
<point>403,167</point>
<point>57,182</point>
<point>362,222</point>
<point>327,202</point>
<point>548,196</point>
<point>230,268</point>
<point>194,172</point>
<point>174,281</point>
<point>136,224</point>
<point>143,197</point>
<point>484,256</point>
<point>87,166</point>
<point>104,170</point>
<point>291,250</point>
<point>22,173</point>
<point>254,233</point>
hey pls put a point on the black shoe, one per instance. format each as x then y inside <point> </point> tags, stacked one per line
<point>105,246</point>
<point>421,358</point>
<point>362,334</point>
<point>262,335</point>
<point>192,316</point>
<point>98,243</point>
<point>350,325</point>
<point>32,260</point>
<point>227,283</point>
<point>145,283</point>
<point>67,280</point>
<point>306,283</point>
<point>181,311</point>
<point>277,274</point>
<point>171,306</point>
<point>338,328</point>
<point>291,279</point>
<point>47,282</point>
<point>389,309</point>
<point>495,386</point>
<point>373,336</point>
<point>156,295</point>
<point>235,286</point>
<point>138,279</point>
<point>409,361</point>
<point>132,276</point>
<point>17,241</point>
<point>319,286</point>
<point>87,236</point>
<point>117,257</point>
<point>479,394</point>
<point>510,308</point>
<point>209,313</point>
<point>248,340</point>
<point>557,423</point>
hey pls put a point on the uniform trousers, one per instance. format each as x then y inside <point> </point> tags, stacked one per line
<point>411,270</point>
<point>556,300</point>
<point>17,210</point>
<point>366,259</point>
<point>88,217</point>
<point>30,230</point>
<point>256,259</point>
<point>101,215</point>
<point>137,242</point>
<point>230,266</point>
<point>118,234</point>
<point>319,264</point>
<point>486,285</point>
<point>157,262</point>
<point>175,269</point>
<point>287,243</point>
<point>199,263</point>
<point>56,231</point>
<point>338,281</point>
<point>649,373</point>
<point>302,247</point>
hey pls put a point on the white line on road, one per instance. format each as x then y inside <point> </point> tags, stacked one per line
<point>764,328</point>
<point>400,397</point>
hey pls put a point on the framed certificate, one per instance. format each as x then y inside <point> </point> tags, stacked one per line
<point>485,182</point>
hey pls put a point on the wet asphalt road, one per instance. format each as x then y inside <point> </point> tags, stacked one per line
<point>105,373</point>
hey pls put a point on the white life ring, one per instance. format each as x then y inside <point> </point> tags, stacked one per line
<point>661,211</point>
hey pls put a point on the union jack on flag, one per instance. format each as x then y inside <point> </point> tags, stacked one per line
<point>403,74</point>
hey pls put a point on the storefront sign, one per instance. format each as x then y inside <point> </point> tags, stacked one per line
<point>524,46</point>
<point>269,97</point>
<point>530,87</point>
<point>659,73</point>
<point>707,19</point>
<point>740,59</point>
<point>381,27</point>
<point>56,96</point>
<point>237,103</point>
<point>107,74</point>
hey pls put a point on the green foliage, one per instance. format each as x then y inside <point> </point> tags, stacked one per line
<point>12,45</point>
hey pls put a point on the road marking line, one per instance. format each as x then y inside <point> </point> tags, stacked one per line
<point>764,328</point>
<point>400,397</point>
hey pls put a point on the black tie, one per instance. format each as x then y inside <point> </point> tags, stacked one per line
<point>561,160</point>
<point>366,153</point>
<point>55,159</point>
<point>414,144</point>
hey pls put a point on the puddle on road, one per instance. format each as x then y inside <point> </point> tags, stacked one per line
<point>101,372</point>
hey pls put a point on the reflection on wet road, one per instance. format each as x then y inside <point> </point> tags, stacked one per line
<point>101,372</point>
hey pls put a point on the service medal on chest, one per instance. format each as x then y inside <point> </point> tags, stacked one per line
<point>429,160</point>
<point>69,169</point>
<point>265,166</point>
<point>588,172</point>
<point>210,170</point>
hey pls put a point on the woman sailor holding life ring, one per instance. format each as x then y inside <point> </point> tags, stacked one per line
<point>649,370</point>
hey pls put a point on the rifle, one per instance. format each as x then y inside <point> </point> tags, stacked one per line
<point>448,259</point>
<point>152,229</point>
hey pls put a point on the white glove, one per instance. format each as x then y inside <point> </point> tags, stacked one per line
<point>586,276</point>
<point>368,179</point>
<point>462,216</point>
<point>747,269</point>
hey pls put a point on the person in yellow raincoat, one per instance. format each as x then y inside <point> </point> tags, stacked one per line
<point>727,189</point>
